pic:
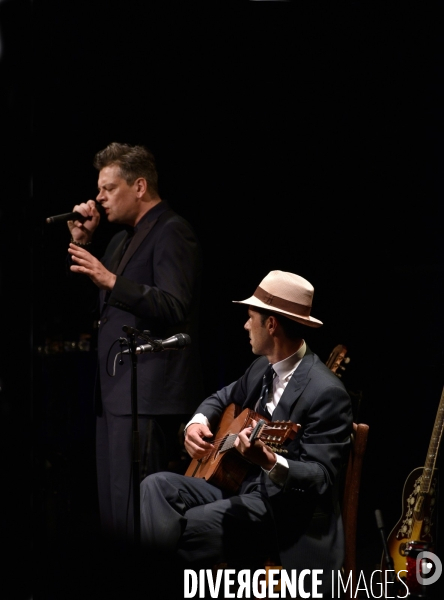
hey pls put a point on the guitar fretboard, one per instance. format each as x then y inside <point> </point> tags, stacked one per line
<point>432,453</point>
<point>276,433</point>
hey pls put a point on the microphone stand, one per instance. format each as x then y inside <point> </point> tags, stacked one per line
<point>135,436</point>
<point>133,333</point>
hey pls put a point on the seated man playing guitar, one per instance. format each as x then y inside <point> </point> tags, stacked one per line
<point>285,503</point>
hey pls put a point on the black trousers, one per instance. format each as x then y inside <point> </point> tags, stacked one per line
<point>160,446</point>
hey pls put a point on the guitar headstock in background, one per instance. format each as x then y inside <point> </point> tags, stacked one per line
<point>336,363</point>
<point>338,359</point>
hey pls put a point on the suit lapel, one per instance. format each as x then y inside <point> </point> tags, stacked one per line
<point>114,262</point>
<point>145,227</point>
<point>253,395</point>
<point>294,388</point>
<point>138,238</point>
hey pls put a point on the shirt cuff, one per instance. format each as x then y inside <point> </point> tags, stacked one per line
<point>198,418</point>
<point>279,471</point>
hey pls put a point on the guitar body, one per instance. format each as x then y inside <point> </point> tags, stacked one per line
<point>224,466</point>
<point>225,470</point>
<point>417,525</point>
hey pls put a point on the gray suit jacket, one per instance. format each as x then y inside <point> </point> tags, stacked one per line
<point>306,509</point>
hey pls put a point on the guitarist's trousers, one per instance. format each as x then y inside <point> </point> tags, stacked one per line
<point>202,525</point>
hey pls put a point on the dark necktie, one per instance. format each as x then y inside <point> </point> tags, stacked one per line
<point>267,382</point>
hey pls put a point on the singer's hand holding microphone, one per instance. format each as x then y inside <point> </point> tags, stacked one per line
<point>82,228</point>
<point>86,211</point>
<point>82,222</point>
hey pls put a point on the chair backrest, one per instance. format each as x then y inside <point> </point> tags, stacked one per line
<point>350,500</point>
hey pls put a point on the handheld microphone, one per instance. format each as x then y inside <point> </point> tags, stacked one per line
<point>175,342</point>
<point>72,216</point>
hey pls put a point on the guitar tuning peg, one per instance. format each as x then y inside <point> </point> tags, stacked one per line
<point>278,449</point>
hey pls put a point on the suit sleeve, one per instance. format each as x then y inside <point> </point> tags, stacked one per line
<point>213,406</point>
<point>319,457</point>
<point>236,392</point>
<point>176,271</point>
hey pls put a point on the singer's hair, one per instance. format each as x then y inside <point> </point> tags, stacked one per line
<point>292,329</point>
<point>133,162</point>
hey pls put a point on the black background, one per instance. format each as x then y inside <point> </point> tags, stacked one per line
<point>307,142</point>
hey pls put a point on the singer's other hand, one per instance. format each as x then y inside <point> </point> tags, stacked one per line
<point>84,262</point>
<point>82,232</point>
<point>195,444</point>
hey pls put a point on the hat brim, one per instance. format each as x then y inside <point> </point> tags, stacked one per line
<point>253,301</point>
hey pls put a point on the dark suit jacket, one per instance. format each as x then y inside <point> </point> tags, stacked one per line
<point>157,289</point>
<point>306,509</point>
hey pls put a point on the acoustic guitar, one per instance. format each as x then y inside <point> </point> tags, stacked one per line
<point>224,466</point>
<point>416,529</point>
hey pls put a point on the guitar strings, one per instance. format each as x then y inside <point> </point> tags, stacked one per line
<point>217,442</point>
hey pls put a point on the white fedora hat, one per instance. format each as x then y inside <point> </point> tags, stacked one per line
<point>285,293</point>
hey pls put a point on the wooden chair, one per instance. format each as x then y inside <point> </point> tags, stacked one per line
<point>350,499</point>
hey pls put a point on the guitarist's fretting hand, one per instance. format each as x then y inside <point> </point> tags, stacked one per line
<point>256,452</point>
<point>195,443</point>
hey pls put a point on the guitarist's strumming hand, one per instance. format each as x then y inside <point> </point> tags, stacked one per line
<point>256,452</point>
<point>196,443</point>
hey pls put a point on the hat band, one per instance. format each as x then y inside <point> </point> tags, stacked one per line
<point>281,303</point>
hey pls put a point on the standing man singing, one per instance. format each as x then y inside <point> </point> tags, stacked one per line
<point>148,280</point>
<point>288,504</point>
